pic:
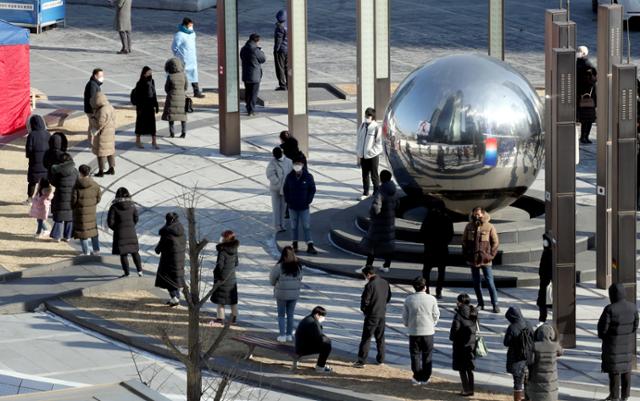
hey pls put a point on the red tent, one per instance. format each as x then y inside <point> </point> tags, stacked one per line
<point>15,85</point>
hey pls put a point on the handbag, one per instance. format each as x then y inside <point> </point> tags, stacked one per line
<point>481,347</point>
<point>586,101</point>
<point>188,105</point>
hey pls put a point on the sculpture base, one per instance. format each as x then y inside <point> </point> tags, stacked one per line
<point>177,5</point>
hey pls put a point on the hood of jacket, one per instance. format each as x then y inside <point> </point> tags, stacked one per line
<point>545,333</point>
<point>173,65</point>
<point>85,182</point>
<point>464,311</point>
<point>36,123</point>
<point>122,203</point>
<point>485,218</point>
<point>388,188</point>
<point>281,16</point>
<point>175,229</point>
<point>99,101</point>
<point>230,247</point>
<point>616,293</point>
<point>64,168</point>
<point>514,315</point>
<point>58,141</point>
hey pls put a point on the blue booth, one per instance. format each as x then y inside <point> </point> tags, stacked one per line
<point>33,13</point>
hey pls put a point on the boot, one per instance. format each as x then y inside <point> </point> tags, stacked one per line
<point>294,245</point>
<point>311,250</point>
<point>518,395</point>
<point>196,90</point>
<point>171,132</point>
<point>111,171</point>
<point>123,39</point>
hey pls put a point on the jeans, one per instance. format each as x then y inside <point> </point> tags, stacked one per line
<point>370,168</point>
<point>487,272</point>
<point>174,293</point>
<point>618,382</point>
<point>420,349</point>
<point>251,95</point>
<point>298,217</point>
<point>95,244</point>
<point>279,207</point>
<point>281,61</point>
<point>124,262</point>
<point>288,307</point>
<point>57,230</point>
<point>373,326</point>
<point>42,226</point>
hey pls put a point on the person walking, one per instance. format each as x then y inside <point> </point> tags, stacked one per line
<point>184,48</point>
<point>542,384</point>
<point>224,276</point>
<point>175,87</point>
<point>90,90</point>
<point>122,23</point>
<point>310,339</point>
<point>35,150</point>
<point>286,279</point>
<point>299,190</point>
<point>373,304</point>
<point>103,139</point>
<point>122,219</point>
<point>84,201</point>
<point>436,233</point>
<point>41,206</point>
<point>518,335</point>
<point>381,235</point>
<point>586,77</point>
<point>464,328</point>
<point>545,272</point>
<point>617,328</point>
<point>289,145</point>
<point>278,169</point>
<point>281,49</point>
<point>57,147</point>
<point>480,246</point>
<point>368,149</point>
<point>146,102</point>
<point>252,58</point>
<point>420,315</point>
<point>171,248</point>
<point>63,178</point>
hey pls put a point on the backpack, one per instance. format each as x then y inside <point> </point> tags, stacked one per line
<point>132,96</point>
<point>524,346</point>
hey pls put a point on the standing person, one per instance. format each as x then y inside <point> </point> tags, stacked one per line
<point>103,140</point>
<point>542,384</point>
<point>586,77</point>
<point>57,147</point>
<point>252,58</point>
<point>278,169</point>
<point>171,248</point>
<point>546,275</point>
<point>90,90</point>
<point>617,329</point>
<point>420,315</point>
<point>289,145</point>
<point>122,23</point>
<point>368,149</point>
<point>436,232</point>
<point>373,304</point>
<point>122,219</point>
<point>464,328</point>
<point>280,49</point>
<point>184,48</point>
<point>480,246</point>
<point>299,190</point>
<point>176,88</point>
<point>146,102</point>
<point>381,236</point>
<point>41,206</point>
<point>35,150</point>
<point>63,178</point>
<point>517,338</point>
<point>310,339</point>
<point>224,276</point>
<point>84,200</point>
<point>286,279</point>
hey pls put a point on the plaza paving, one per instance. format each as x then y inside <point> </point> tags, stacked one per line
<point>233,191</point>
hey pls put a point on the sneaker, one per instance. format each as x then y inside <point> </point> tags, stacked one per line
<point>174,302</point>
<point>45,233</point>
<point>65,239</point>
<point>310,249</point>
<point>281,229</point>
<point>323,369</point>
<point>363,197</point>
<point>281,339</point>
<point>358,365</point>
<point>414,382</point>
<point>496,309</point>
<point>139,274</point>
<point>95,253</point>
<point>281,88</point>
<point>289,339</point>
<point>384,269</point>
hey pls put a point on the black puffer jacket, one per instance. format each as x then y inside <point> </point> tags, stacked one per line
<point>122,219</point>
<point>225,272</point>
<point>512,337</point>
<point>36,148</point>
<point>91,88</point>
<point>172,246</point>
<point>382,230</point>
<point>57,147</point>
<point>617,328</point>
<point>543,373</point>
<point>436,233</point>
<point>63,178</point>
<point>463,335</point>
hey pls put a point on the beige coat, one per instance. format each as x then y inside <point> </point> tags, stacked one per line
<point>103,141</point>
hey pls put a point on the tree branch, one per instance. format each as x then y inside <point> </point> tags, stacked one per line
<point>200,245</point>
<point>209,293</point>
<point>172,347</point>
<point>216,343</point>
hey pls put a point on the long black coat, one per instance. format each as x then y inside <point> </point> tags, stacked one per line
<point>381,236</point>
<point>463,335</point>
<point>122,219</point>
<point>617,328</point>
<point>57,147</point>
<point>543,373</point>
<point>545,271</point>
<point>172,246</point>
<point>63,178</point>
<point>252,59</point>
<point>511,338</point>
<point>146,107</point>
<point>225,272</point>
<point>436,233</point>
<point>36,147</point>
<point>586,75</point>
<point>91,88</point>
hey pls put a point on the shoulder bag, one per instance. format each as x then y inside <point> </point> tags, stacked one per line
<point>481,348</point>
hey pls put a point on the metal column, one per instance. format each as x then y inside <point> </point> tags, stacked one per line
<point>297,73</point>
<point>366,79</point>
<point>496,29</point>
<point>229,108</point>
<point>383,80</point>
<point>609,53</point>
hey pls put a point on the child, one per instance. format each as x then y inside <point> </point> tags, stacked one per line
<point>41,206</point>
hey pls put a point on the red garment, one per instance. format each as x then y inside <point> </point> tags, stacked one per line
<point>15,87</point>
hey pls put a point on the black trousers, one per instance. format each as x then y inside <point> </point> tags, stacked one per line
<point>183,127</point>
<point>371,257</point>
<point>373,326</point>
<point>370,168</point>
<point>251,95</point>
<point>420,349</point>
<point>467,379</point>
<point>124,262</point>
<point>618,381</point>
<point>282,61</point>
<point>31,189</point>
<point>426,273</point>
<point>323,350</point>
<point>542,298</point>
<point>585,129</point>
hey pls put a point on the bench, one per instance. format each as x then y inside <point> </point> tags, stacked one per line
<point>254,342</point>
<point>57,117</point>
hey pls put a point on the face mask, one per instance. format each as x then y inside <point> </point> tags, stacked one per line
<point>369,119</point>
<point>280,158</point>
<point>545,243</point>
<point>100,79</point>
<point>221,239</point>
<point>320,319</point>
<point>297,168</point>
<point>148,77</point>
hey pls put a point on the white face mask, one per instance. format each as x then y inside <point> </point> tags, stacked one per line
<point>297,168</point>
<point>320,319</point>
<point>100,79</point>
<point>545,243</point>
<point>221,239</point>
<point>369,119</point>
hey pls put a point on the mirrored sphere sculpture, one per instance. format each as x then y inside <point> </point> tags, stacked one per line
<point>466,129</point>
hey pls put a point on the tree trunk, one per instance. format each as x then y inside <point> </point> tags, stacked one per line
<point>194,370</point>
<point>194,383</point>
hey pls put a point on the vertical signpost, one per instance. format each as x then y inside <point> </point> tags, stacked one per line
<point>297,73</point>
<point>382,76</point>
<point>366,79</point>
<point>229,108</point>
<point>496,29</point>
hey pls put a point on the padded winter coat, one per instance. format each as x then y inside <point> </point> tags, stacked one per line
<point>63,178</point>
<point>252,58</point>
<point>57,147</point>
<point>122,219</point>
<point>299,190</point>
<point>184,48</point>
<point>122,21</point>
<point>85,198</point>
<point>285,286</point>
<point>36,148</point>
<point>225,272</point>
<point>543,373</point>
<point>277,171</point>
<point>480,242</point>
<point>176,88</point>
<point>381,235</point>
<point>90,90</point>
<point>171,248</point>
<point>512,337</point>
<point>436,233</point>
<point>104,121</point>
<point>463,335</point>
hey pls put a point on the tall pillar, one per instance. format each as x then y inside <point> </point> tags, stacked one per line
<point>297,73</point>
<point>496,29</point>
<point>382,72</point>
<point>609,53</point>
<point>366,79</point>
<point>229,107</point>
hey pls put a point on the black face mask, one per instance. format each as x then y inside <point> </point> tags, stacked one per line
<point>148,77</point>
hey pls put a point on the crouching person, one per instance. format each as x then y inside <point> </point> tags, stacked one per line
<point>311,340</point>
